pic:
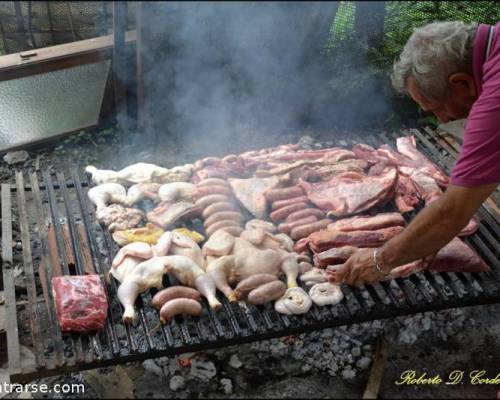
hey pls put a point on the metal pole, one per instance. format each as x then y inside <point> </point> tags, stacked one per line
<point>141,100</point>
<point>21,33</point>
<point>120,11</point>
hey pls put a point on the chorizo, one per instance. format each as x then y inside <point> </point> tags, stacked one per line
<point>287,202</point>
<point>220,224</point>
<point>300,232</point>
<point>305,213</point>
<point>233,230</point>
<point>284,212</point>
<point>223,215</point>
<point>267,292</point>
<point>212,189</point>
<point>213,181</point>
<point>205,201</point>
<point>174,292</point>
<point>284,193</point>
<point>286,227</point>
<point>252,282</point>
<point>217,207</point>
<point>179,306</point>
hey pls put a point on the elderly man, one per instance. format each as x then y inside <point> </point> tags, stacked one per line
<point>451,69</point>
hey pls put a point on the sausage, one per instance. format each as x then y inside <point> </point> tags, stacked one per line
<point>287,202</point>
<point>213,181</point>
<point>217,207</point>
<point>179,306</point>
<point>220,224</point>
<point>305,213</point>
<point>174,292</point>
<point>223,215</point>
<point>300,232</point>
<point>212,189</point>
<point>267,292</point>
<point>233,230</point>
<point>282,194</point>
<point>250,283</point>
<point>286,227</point>
<point>284,212</point>
<point>205,201</point>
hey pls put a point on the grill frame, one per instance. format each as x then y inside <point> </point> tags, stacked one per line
<point>57,354</point>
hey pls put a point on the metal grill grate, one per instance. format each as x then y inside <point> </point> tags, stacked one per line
<point>58,225</point>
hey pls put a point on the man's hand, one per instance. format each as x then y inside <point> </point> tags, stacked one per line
<point>356,271</point>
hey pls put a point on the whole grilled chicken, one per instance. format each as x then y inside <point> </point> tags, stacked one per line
<point>140,173</point>
<point>137,276</point>
<point>171,243</point>
<point>234,259</point>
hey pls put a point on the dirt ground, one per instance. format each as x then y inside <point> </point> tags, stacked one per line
<point>476,347</point>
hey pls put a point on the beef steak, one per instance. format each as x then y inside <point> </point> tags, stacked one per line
<point>81,303</point>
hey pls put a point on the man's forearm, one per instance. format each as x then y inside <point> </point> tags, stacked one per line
<point>433,228</point>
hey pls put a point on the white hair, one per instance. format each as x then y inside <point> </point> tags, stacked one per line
<point>432,53</point>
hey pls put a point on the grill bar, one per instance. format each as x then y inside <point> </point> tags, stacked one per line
<point>234,323</point>
<point>28,269</point>
<point>55,333</point>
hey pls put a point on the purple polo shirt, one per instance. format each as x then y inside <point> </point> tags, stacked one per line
<point>479,160</point>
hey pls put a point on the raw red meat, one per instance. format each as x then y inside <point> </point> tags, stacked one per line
<point>351,192</point>
<point>81,303</point>
<point>367,222</point>
<point>456,256</point>
<point>326,239</point>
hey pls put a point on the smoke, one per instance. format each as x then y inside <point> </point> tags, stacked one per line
<point>220,74</point>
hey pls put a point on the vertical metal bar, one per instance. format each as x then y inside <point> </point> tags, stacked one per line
<point>43,232</point>
<point>75,339</point>
<point>21,34</point>
<point>30,28</point>
<point>120,9</point>
<point>13,349</point>
<point>28,269</point>
<point>96,255</point>
<point>77,250</point>
<point>51,25</point>
<point>140,59</point>
<point>70,19</point>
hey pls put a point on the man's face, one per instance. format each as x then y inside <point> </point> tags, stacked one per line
<point>457,106</point>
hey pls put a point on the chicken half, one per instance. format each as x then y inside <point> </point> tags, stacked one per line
<point>107,193</point>
<point>232,259</point>
<point>170,243</point>
<point>141,173</point>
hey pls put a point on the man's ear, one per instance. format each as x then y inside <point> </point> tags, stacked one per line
<point>462,82</point>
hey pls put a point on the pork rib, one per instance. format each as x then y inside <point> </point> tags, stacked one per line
<point>407,145</point>
<point>367,222</point>
<point>326,239</point>
<point>350,193</point>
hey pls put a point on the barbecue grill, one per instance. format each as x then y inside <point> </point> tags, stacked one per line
<point>60,236</point>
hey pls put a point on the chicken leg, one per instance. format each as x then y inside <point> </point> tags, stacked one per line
<point>190,274</point>
<point>290,268</point>
<point>219,271</point>
<point>136,276</point>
